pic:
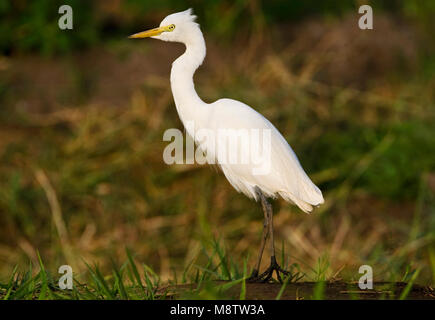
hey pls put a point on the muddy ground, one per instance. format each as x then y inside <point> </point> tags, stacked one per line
<point>305,291</point>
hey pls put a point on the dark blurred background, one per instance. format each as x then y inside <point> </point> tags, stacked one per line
<point>83,111</point>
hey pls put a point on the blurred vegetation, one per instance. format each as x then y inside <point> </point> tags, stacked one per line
<point>32,25</point>
<point>83,114</point>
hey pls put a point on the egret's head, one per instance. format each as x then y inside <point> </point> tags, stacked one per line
<point>177,27</point>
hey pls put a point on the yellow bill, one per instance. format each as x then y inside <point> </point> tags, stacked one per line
<point>152,32</point>
<point>147,33</point>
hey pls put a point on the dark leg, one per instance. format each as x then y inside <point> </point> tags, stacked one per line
<point>266,229</point>
<point>274,266</point>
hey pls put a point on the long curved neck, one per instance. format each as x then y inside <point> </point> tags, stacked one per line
<point>189,105</point>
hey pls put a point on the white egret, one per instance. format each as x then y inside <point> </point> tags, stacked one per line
<point>285,177</point>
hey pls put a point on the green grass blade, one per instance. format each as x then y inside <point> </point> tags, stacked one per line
<point>319,290</point>
<point>134,269</point>
<point>408,287</point>
<point>284,285</point>
<point>243,287</point>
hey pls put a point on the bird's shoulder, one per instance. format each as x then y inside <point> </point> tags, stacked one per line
<point>230,110</point>
<point>235,105</point>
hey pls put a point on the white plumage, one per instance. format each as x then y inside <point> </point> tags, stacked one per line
<point>285,176</point>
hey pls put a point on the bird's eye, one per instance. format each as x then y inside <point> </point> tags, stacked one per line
<point>171,27</point>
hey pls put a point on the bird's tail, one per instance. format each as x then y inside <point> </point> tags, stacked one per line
<point>302,204</point>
